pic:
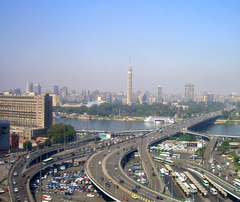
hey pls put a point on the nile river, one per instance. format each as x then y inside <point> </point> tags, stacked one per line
<point>222,129</point>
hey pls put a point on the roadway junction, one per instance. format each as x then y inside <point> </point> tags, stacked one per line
<point>108,164</point>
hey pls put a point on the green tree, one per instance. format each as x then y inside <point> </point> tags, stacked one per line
<point>27,145</point>
<point>223,149</point>
<point>56,132</point>
<point>48,143</point>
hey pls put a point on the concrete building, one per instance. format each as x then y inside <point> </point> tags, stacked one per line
<point>189,92</point>
<point>129,85</point>
<point>56,89</point>
<point>55,100</point>
<point>4,134</point>
<point>142,98</point>
<point>159,94</point>
<point>37,89</point>
<point>17,91</point>
<point>29,87</point>
<point>210,97</point>
<point>31,114</point>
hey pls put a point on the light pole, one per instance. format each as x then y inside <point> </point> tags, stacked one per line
<point>64,136</point>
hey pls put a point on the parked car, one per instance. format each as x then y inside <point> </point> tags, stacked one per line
<point>159,197</point>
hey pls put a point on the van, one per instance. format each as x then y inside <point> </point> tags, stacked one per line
<point>213,191</point>
<point>205,183</point>
<point>46,197</point>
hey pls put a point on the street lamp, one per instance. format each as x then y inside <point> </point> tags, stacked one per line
<point>64,136</point>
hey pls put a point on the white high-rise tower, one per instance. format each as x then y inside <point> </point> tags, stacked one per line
<point>129,84</point>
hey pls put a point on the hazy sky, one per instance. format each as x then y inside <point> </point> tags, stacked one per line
<point>86,44</point>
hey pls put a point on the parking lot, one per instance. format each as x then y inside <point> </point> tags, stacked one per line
<point>71,184</point>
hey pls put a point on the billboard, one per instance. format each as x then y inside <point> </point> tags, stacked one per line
<point>104,136</point>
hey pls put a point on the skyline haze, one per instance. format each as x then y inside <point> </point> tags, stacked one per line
<point>86,45</point>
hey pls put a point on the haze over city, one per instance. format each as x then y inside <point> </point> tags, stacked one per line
<point>87,45</point>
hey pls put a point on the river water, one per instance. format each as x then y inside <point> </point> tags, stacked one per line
<point>220,129</point>
<point>108,125</point>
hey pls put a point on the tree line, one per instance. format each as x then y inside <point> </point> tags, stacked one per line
<point>143,110</point>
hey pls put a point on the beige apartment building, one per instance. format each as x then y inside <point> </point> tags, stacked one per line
<point>27,113</point>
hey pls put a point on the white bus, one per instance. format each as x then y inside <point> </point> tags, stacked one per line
<point>162,172</point>
<point>219,168</point>
<point>180,176</point>
<point>187,185</point>
<point>46,161</point>
<point>183,176</point>
<point>165,171</point>
<point>213,191</point>
<point>169,162</point>
<point>236,182</point>
<point>193,188</point>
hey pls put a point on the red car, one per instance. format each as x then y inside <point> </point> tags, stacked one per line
<point>61,189</point>
<point>125,198</point>
<point>89,190</point>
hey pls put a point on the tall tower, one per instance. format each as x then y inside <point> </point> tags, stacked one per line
<point>129,84</point>
<point>159,94</point>
<point>189,92</point>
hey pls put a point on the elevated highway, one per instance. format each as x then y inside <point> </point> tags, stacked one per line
<point>117,158</point>
<point>106,169</point>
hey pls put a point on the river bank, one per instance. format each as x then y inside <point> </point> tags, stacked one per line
<point>225,121</point>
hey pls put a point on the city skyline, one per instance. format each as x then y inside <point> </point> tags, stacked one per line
<point>87,45</point>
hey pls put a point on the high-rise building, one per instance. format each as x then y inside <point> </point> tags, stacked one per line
<point>27,112</point>
<point>189,92</point>
<point>17,91</point>
<point>29,87</point>
<point>159,94</point>
<point>129,85</point>
<point>56,89</point>
<point>37,89</point>
<point>210,96</point>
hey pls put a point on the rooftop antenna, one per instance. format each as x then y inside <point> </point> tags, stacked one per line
<point>129,61</point>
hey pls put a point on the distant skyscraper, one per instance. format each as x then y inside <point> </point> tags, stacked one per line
<point>65,90</point>
<point>29,87</point>
<point>17,91</point>
<point>210,97</point>
<point>37,88</point>
<point>189,92</point>
<point>159,94</point>
<point>56,89</point>
<point>129,84</point>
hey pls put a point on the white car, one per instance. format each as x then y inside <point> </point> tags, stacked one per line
<point>15,174</point>
<point>99,162</point>
<point>15,189</point>
<point>90,195</point>
<point>28,156</point>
